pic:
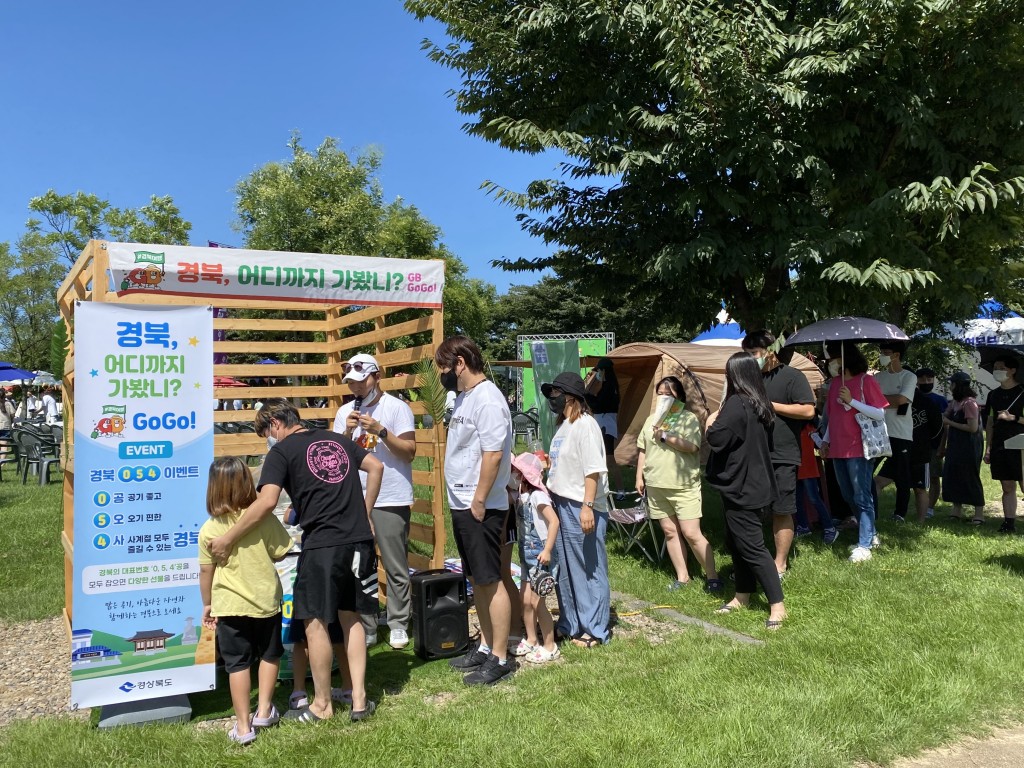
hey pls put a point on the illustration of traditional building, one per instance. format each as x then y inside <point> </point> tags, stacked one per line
<point>150,641</point>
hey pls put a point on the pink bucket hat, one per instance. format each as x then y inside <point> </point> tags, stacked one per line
<point>531,469</point>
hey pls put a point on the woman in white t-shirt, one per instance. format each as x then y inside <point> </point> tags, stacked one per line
<point>578,482</point>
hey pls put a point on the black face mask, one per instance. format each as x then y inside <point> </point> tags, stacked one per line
<point>450,381</point>
<point>557,404</point>
<point>926,388</point>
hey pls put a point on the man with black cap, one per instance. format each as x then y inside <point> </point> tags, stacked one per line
<point>384,425</point>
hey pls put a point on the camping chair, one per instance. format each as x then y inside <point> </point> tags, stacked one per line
<point>36,453</point>
<point>631,522</point>
<point>9,454</point>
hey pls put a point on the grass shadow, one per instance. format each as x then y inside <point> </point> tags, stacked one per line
<point>1012,563</point>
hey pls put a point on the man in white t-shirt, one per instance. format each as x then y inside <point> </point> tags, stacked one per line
<point>384,425</point>
<point>477,467</point>
<point>48,406</point>
<point>898,385</point>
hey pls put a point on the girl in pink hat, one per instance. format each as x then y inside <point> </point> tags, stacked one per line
<point>538,527</point>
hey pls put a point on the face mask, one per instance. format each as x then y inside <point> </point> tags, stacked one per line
<point>926,388</point>
<point>1000,376</point>
<point>450,381</point>
<point>514,481</point>
<point>884,360</point>
<point>833,367</point>
<point>371,396</point>
<point>271,442</point>
<point>599,375</point>
<point>761,361</point>
<point>557,404</point>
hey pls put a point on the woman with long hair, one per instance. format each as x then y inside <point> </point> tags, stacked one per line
<point>961,472</point>
<point>740,466</point>
<point>668,474</point>
<point>850,392</point>
<point>578,484</point>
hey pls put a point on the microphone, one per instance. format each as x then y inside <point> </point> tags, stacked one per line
<point>357,404</point>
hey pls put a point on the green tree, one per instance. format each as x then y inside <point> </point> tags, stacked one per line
<point>68,222</point>
<point>28,307</point>
<point>325,202</point>
<point>796,159</point>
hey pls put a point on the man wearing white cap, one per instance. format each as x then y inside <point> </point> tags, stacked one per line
<point>383,425</point>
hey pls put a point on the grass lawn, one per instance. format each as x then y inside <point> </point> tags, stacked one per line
<point>916,647</point>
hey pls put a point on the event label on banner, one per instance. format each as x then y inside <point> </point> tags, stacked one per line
<point>180,270</point>
<point>143,445</point>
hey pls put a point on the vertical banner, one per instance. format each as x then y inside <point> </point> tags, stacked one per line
<point>550,358</point>
<point>143,443</point>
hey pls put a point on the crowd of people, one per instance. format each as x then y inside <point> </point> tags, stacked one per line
<point>42,404</point>
<point>351,493</point>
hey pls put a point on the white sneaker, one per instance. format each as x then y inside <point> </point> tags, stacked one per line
<point>399,639</point>
<point>875,542</point>
<point>860,554</point>
<point>371,639</point>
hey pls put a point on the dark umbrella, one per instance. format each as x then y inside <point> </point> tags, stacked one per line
<point>989,352</point>
<point>847,329</point>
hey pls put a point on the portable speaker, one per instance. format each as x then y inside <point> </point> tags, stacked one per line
<point>440,614</point>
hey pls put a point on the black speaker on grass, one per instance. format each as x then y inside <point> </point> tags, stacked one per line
<point>440,614</point>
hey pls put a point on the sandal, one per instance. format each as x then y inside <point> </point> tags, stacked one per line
<point>772,624</point>
<point>304,715</point>
<point>585,641</point>
<point>265,722</point>
<point>977,521</point>
<point>714,585</point>
<point>244,739</point>
<point>729,608</point>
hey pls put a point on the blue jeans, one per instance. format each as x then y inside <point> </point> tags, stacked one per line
<point>808,489</point>
<point>856,480</point>
<point>584,595</point>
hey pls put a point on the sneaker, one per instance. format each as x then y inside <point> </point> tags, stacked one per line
<point>266,722</point>
<point>875,542</point>
<point>860,554</point>
<point>244,739</point>
<point>521,648</point>
<point>930,512</point>
<point>362,714</point>
<point>491,672</point>
<point>541,655</point>
<point>371,639</point>
<point>1008,526</point>
<point>899,519</point>
<point>830,535</point>
<point>802,530</point>
<point>473,659</point>
<point>399,639</point>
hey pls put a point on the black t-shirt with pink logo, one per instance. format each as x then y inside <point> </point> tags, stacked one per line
<point>319,470</point>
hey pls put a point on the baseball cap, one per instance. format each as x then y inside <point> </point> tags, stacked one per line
<point>359,367</point>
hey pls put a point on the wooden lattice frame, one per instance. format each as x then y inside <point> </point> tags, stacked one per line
<point>88,281</point>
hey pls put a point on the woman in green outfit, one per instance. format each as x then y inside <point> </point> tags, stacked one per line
<point>668,473</point>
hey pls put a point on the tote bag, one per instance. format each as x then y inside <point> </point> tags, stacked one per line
<point>874,437</point>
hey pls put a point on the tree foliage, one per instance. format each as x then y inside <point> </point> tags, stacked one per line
<point>325,202</point>
<point>29,276</point>
<point>796,159</point>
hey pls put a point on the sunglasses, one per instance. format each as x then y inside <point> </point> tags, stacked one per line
<point>358,367</point>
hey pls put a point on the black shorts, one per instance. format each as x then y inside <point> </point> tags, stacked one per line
<point>920,476</point>
<point>297,632</point>
<point>511,528</point>
<point>243,640</point>
<point>785,479</point>
<point>332,579</point>
<point>1006,464</point>
<point>480,543</point>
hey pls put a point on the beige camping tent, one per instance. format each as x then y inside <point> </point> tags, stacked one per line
<point>701,368</point>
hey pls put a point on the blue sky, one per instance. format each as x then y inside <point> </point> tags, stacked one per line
<point>128,99</point>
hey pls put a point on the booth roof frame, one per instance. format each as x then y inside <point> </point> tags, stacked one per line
<point>88,280</point>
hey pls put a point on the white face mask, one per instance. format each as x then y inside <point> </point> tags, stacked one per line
<point>271,442</point>
<point>884,360</point>
<point>514,481</point>
<point>1000,376</point>
<point>833,367</point>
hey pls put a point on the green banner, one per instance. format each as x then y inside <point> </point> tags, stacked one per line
<point>550,358</point>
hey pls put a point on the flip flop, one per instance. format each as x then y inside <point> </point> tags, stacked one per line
<point>585,642</point>
<point>727,608</point>
<point>772,625</point>
<point>304,715</point>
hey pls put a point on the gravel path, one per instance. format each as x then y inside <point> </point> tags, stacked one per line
<point>35,675</point>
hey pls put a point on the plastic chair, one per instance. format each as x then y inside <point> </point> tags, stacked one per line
<point>9,454</point>
<point>36,452</point>
<point>630,523</point>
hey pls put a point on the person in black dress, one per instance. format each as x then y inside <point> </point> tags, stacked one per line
<point>961,472</point>
<point>1004,416</point>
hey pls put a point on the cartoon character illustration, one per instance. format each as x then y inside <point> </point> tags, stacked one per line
<point>146,277</point>
<point>111,424</point>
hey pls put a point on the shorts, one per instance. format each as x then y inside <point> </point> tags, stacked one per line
<point>680,503</point>
<point>480,543</point>
<point>243,640</point>
<point>1006,464</point>
<point>785,479</point>
<point>609,424</point>
<point>920,476</point>
<point>511,529</point>
<point>332,579</point>
<point>935,468</point>
<point>297,632</point>
<point>898,467</point>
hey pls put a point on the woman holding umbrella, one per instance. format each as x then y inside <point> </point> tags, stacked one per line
<point>852,391</point>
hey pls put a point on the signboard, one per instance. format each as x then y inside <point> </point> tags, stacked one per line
<point>235,273</point>
<point>143,444</point>
<point>595,347</point>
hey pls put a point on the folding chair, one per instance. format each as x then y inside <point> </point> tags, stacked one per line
<point>631,522</point>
